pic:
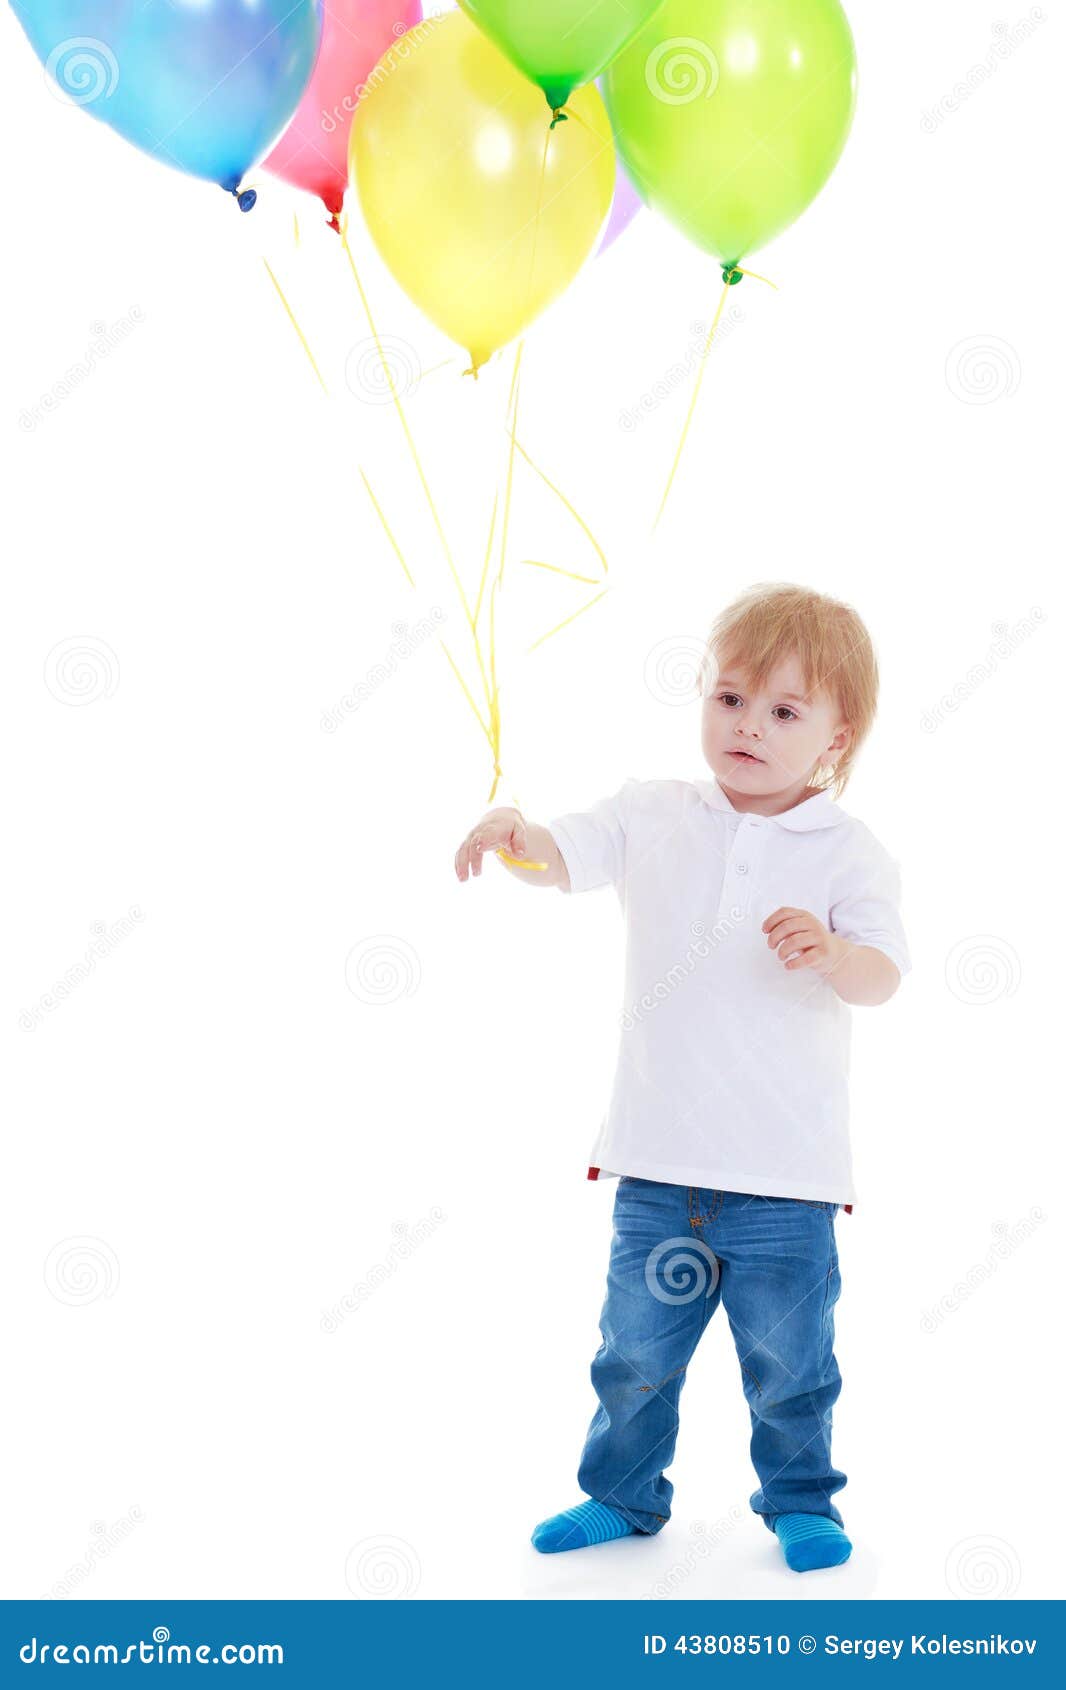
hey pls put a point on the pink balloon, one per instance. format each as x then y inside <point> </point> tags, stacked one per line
<point>313,152</point>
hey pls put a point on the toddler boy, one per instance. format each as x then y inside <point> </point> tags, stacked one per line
<point>757,910</point>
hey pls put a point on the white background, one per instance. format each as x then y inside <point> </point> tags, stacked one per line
<point>221,1133</point>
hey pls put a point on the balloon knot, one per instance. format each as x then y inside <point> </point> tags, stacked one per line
<point>472,371</point>
<point>731,275</point>
<point>558,116</point>
<point>334,223</point>
<point>245,199</point>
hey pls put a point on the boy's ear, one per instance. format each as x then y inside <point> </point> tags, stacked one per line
<point>842,738</point>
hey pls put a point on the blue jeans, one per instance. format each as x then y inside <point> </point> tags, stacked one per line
<point>677,1251</point>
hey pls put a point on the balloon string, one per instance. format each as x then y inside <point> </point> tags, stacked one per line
<point>466,690</point>
<point>382,519</point>
<point>488,556</point>
<point>518,862</point>
<point>535,563</point>
<point>296,326</point>
<point>756,277</point>
<point>494,704</point>
<point>403,418</point>
<point>536,233</point>
<point>730,272</point>
<point>491,689</point>
<point>403,564</point>
<point>492,732</point>
<point>582,524</point>
<point>695,396</point>
<point>567,620</point>
<point>511,426</point>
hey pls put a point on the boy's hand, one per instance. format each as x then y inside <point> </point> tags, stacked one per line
<point>499,829</point>
<point>801,941</point>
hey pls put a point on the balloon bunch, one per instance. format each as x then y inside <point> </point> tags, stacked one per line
<point>728,117</point>
<point>488,162</point>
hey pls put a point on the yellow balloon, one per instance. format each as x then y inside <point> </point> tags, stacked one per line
<point>482,212</point>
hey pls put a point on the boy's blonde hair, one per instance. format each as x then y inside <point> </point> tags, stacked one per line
<point>772,622</point>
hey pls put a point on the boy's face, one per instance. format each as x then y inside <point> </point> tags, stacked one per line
<point>768,742</point>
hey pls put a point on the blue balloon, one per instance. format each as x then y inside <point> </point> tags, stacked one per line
<point>204,85</point>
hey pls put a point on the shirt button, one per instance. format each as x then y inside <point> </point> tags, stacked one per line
<point>742,868</point>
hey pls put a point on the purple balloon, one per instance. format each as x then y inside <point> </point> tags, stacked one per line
<point>624,206</point>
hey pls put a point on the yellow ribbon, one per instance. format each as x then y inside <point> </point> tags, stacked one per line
<point>519,862</point>
<point>699,379</point>
<point>296,326</point>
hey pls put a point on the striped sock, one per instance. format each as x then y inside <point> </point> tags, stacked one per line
<point>576,1528</point>
<point>811,1540</point>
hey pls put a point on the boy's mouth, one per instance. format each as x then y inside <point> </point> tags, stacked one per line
<point>745,757</point>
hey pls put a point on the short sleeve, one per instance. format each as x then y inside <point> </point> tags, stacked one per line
<point>593,842</point>
<point>867,909</point>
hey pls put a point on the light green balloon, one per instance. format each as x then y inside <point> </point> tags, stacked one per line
<point>560,44</point>
<point>730,114</point>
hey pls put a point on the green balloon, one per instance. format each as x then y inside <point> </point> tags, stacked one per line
<point>730,114</point>
<point>560,44</point>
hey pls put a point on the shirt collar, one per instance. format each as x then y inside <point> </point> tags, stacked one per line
<point>816,812</point>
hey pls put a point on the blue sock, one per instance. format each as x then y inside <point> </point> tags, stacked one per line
<point>576,1528</point>
<point>811,1540</point>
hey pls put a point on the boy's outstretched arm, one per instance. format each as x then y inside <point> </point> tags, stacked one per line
<point>507,830</point>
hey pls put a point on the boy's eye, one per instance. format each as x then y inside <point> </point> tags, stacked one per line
<point>784,714</point>
<point>728,698</point>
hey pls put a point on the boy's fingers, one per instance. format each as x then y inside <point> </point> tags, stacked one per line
<point>489,836</point>
<point>788,930</point>
<point>796,942</point>
<point>779,915</point>
<point>806,958</point>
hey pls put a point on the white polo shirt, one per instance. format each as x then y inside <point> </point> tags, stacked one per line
<point>732,1070</point>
